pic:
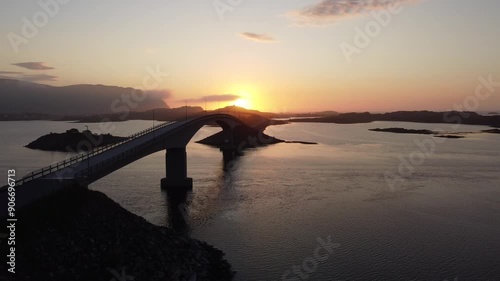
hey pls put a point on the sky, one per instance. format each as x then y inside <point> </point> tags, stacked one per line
<point>279,56</point>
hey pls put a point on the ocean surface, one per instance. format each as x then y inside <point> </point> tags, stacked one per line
<point>359,205</point>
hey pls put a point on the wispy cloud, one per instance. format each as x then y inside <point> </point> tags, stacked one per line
<point>27,77</point>
<point>161,94</point>
<point>9,72</point>
<point>33,65</point>
<point>257,37</point>
<point>213,98</point>
<point>38,77</point>
<point>330,11</point>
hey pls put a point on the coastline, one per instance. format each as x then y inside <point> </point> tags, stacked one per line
<point>79,234</point>
<point>427,117</point>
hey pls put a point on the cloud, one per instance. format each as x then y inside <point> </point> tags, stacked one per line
<point>38,77</point>
<point>330,11</point>
<point>27,77</point>
<point>213,98</point>
<point>257,37</point>
<point>33,65</point>
<point>160,94</point>
<point>9,72</point>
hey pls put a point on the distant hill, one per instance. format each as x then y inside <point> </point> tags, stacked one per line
<point>251,117</point>
<point>308,114</point>
<point>19,97</point>
<point>453,117</point>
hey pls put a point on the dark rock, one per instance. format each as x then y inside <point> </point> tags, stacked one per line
<point>244,137</point>
<point>73,141</point>
<point>52,233</point>
<point>492,131</point>
<point>404,131</point>
<point>449,136</point>
<point>302,142</point>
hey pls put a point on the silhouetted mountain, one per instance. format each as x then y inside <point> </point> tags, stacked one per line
<point>309,114</point>
<point>19,97</point>
<point>251,117</point>
<point>454,117</point>
<point>236,110</point>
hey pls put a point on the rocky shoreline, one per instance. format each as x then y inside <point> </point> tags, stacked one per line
<point>78,234</point>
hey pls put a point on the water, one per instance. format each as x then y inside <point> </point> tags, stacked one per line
<point>268,213</point>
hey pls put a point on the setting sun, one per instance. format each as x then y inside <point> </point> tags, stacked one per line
<point>242,103</point>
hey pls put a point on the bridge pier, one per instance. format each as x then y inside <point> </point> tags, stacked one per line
<point>176,164</point>
<point>229,153</point>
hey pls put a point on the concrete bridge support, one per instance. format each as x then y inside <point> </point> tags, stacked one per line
<point>176,164</point>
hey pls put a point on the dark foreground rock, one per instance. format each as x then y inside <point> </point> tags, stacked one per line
<point>79,234</point>
<point>72,141</point>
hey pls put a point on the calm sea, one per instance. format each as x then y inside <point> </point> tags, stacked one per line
<point>275,210</point>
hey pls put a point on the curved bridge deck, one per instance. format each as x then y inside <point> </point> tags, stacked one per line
<point>86,168</point>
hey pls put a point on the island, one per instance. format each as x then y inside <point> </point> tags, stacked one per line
<point>450,136</point>
<point>423,132</point>
<point>249,135</point>
<point>244,136</point>
<point>492,131</point>
<point>448,117</point>
<point>404,131</point>
<point>73,140</point>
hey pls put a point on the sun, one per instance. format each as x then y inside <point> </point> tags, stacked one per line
<point>242,103</point>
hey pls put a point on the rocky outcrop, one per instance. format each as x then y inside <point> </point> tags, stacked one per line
<point>244,137</point>
<point>404,131</point>
<point>73,140</point>
<point>79,234</point>
<point>492,131</point>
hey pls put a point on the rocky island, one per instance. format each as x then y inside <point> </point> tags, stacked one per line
<point>245,136</point>
<point>450,117</point>
<point>421,132</point>
<point>73,140</point>
<point>404,131</point>
<point>492,131</point>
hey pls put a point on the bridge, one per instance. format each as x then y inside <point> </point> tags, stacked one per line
<point>89,167</point>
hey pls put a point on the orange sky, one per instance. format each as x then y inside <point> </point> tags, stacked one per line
<point>282,56</point>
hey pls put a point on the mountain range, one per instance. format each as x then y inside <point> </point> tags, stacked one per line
<point>20,97</point>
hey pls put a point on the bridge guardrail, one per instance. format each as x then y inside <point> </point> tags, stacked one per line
<point>68,162</point>
<point>108,162</point>
<point>113,159</point>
